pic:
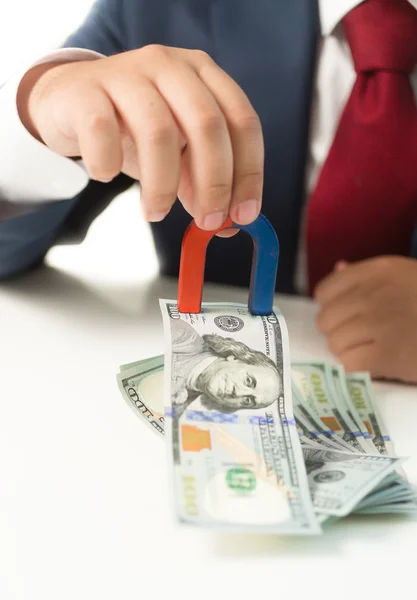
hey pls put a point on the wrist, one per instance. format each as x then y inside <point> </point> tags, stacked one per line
<point>29,94</point>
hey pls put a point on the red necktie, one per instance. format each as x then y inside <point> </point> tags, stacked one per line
<point>365,201</point>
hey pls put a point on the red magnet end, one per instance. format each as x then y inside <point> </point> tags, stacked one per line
<point>193,260</point>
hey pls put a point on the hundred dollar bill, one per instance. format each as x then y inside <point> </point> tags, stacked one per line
<point>388,496</point>
<point>149,402</point>
<point>312,429</point>
<point>400,508</point>
<point>340,384</point>
<point>236,460</point>
<point>333,387</point>
<point>144,387</point>
<point>340,480</point>
<point>343,402</point>
<point>156,361</point>
<point>312,379</point>
<point>141,385</point>
<point>357,386</point>
<point>301,399</point>
<point>360,389</point>
<point>306,434</point>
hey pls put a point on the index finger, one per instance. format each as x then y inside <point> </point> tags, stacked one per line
<point>245,131</point>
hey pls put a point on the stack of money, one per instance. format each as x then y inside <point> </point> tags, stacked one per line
<point>256,443</point>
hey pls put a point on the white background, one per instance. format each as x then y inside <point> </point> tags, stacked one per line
<point>31,27</point>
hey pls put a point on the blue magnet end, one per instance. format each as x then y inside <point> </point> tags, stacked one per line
<point>264,265</point>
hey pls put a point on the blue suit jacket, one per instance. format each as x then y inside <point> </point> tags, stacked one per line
<point>268,47</point>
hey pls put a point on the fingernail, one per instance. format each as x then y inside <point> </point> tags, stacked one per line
<point>247,211</point>
<point>155,217</point>
<point>214,220</point>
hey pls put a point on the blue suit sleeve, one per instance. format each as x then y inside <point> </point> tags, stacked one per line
<point>25,239</point>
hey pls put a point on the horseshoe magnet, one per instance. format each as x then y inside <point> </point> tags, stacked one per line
<point>264,265</point>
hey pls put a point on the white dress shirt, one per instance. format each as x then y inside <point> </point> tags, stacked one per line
<point>31,172</point>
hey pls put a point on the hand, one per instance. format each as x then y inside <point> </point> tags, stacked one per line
<point>168,117</point>
<point>368,312</point>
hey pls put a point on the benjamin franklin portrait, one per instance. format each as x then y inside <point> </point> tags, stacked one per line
<point>225,374</point>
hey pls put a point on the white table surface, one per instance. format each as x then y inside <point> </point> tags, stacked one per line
<point>84,501</point>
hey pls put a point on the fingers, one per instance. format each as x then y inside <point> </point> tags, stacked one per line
<point>363,358</point>
<point>350,335</point>
<point>336,312</point>
<point>209,146</point>
<point>338,283</point>
<point>246,137</point>
<point>354,342</point>
<point>346,278</point>
<point>345,320</point>
<point>157,140</point>
<point>99,137</point>
<point>187,125</point>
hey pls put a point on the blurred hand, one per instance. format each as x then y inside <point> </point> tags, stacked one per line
<point>368,312</point>
<point>168,117</point>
